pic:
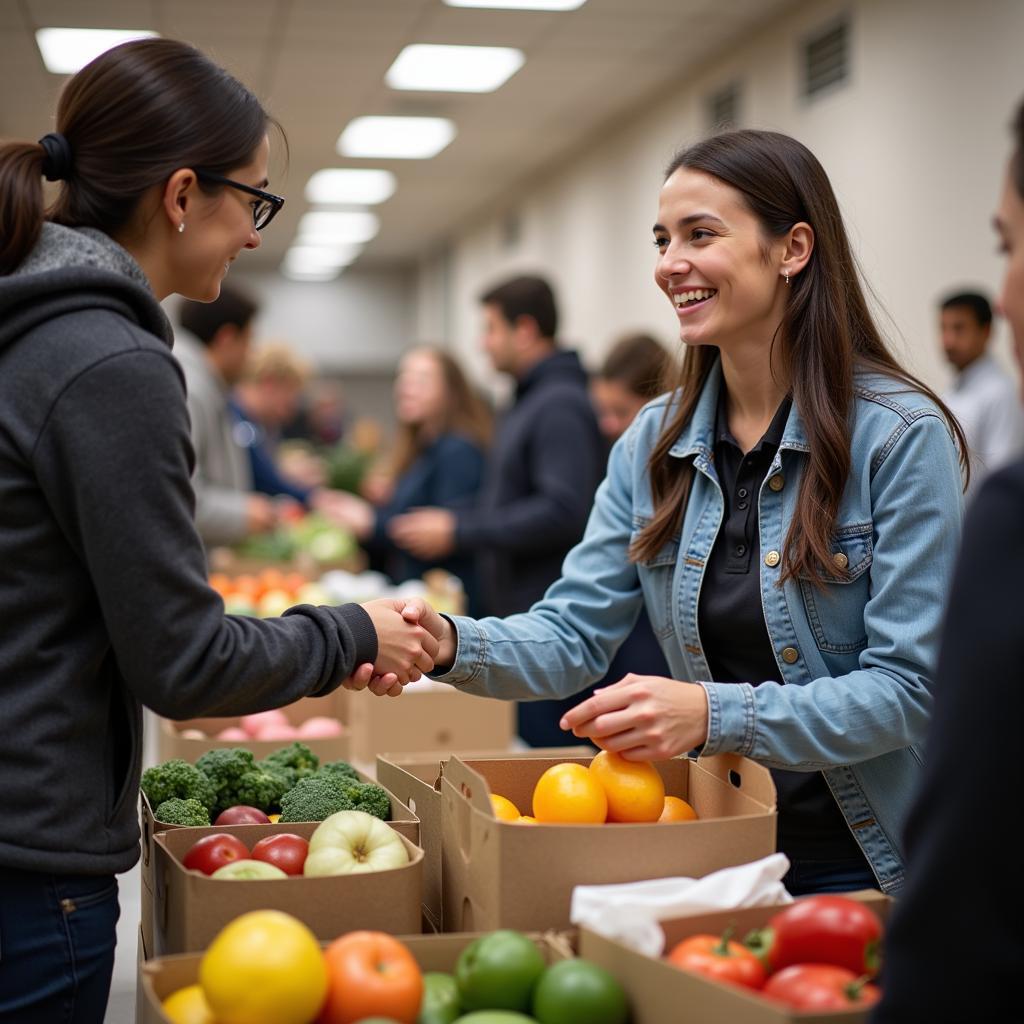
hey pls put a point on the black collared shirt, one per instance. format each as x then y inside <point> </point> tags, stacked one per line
<point>735,638</point>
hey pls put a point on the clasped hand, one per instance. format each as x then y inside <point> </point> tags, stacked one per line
<point>643,718</point>
<point>408,640</point>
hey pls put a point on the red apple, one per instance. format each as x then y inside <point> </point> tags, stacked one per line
<point>252,724</point>
<point>241,814</point>
<point>285,851</point>
<point>214,851</point>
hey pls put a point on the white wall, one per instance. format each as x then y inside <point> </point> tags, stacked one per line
<point>915,144</point>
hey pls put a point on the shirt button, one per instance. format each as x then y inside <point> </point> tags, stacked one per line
<point>772,559</point>
<point>840,560</point>
<point>742,492</point>
<point>741,505</point>
<point>741,549</point>
<point>790,655</point>
<point>777,482</point>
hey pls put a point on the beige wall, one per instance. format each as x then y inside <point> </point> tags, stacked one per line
<point>915,144</point>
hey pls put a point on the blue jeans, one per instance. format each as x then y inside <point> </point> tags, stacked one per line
<point>806,877</point>
<point>57,938</point>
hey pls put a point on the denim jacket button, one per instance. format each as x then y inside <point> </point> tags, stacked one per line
<point>840,560</point>
<point>772,559</point>
<point>777,482</point>
<point>790,655</point>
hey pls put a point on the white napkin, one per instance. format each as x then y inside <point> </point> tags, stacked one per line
<point>630,912</point>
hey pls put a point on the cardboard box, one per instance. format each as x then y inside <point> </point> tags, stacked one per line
<point>416,780</point>
<point>659,992</point>
<point>401,816</point>
<point>428,716</point>
<point>191,908</point>
<point>161,977</point>
<point>171,744</point>
<point>498,874</point>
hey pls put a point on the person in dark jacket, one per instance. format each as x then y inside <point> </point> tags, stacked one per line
<point>547,460</point>
<point>444,428</point>
<point>103,594</point>
<point>963,868</point>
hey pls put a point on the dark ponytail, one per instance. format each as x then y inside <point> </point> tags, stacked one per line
<point>131,118</point>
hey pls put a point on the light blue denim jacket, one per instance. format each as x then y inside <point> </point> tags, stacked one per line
<point>856,658</point>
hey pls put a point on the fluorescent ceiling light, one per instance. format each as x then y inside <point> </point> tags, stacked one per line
<point>453,68</point>
<point>520,5</point>
<point>348,185</point>
<point>297,273</point>
<point>316,256</point>
<point>67,50</point>
<point>400,138</point>
<point>332,227</point>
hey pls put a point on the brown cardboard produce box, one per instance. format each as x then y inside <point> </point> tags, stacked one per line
<point>428,716</point>
<point>171,743</point>
<point>191,908</point>
<point>159,978</point>
<point>400,814</point>
<point>498,874</point>
<point>659,992</point>
<point>416,780</point>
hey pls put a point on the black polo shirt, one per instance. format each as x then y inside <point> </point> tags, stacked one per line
<point>735,638</point>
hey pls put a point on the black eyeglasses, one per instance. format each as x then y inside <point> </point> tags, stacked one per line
<point>263,212</point>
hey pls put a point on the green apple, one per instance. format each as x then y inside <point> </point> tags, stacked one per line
<point>440,999</point>
<point>496,1017</point>
<point>498,971</point>
<point>245,870</point>
<point>350,842</point>
<point>578,990</point>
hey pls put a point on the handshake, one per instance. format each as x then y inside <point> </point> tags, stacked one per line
<point>411,639</point>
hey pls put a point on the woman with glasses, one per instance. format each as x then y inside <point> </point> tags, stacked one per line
<point>160,159</point>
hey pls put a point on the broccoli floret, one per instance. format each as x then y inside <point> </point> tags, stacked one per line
<point>340,770</point>
<point>177,779</point>
<point>224,769</point>
<point>369,797</point>
<point>182,812</point>
<point>262,787</point>
<point>297,760</point>
<point>313,799</point>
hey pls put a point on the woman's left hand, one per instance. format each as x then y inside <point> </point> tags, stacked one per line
<point>643,718</point>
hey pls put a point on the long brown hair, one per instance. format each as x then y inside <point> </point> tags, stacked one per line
<point>131,118</point>
<point>826,335</point>
<point>464,413</point>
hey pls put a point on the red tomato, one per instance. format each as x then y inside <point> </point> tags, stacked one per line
<point>370,974</point>
<point>285,851</point>
<point>242,814</point>
<point>821,987</point>
<point>821,930</point>
<point>720,959</point>
<point>212,852</point>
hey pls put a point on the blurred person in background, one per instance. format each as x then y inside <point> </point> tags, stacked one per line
<point>635,371</point>
<point>162,162</point>
<point>212,346</point>
<point>983,397</point>
<point>444,429</point>
<point>546,462</point>
<point>963,867</point>
<point>788,515</point>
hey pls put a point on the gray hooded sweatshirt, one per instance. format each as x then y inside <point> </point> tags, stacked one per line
<point>104,605</point>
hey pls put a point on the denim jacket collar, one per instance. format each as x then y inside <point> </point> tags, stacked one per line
<point>698,436</point>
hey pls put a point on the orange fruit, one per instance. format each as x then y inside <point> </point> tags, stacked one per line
<point>677,810</point>
<point>526,819</point>
<point>569,794</point>
<point>504,809</point>
<point>188,1006</point>
<point>221,583</point>
<point>635,789</point>
<point>248,585</point>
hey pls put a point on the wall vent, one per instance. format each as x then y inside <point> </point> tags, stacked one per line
<point>826,59</point>
<point>722,108</point>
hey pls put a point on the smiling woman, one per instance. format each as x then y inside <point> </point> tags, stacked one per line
<point>161,158</point>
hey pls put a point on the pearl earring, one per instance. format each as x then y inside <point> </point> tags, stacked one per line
<point>785,273</point>
<point>181,227</point>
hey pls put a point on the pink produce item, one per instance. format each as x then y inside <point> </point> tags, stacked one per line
<point>255,724</point>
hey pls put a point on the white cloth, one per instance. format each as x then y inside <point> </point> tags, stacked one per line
<point>985,400</point>
<point>630,912</point>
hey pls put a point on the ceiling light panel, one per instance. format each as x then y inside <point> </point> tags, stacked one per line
<point>397,138</point>
<point>337,185</point>
<point>67,50</point>
<point>520,5</point>
<point>332,227</point>
<point>433,68</point>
